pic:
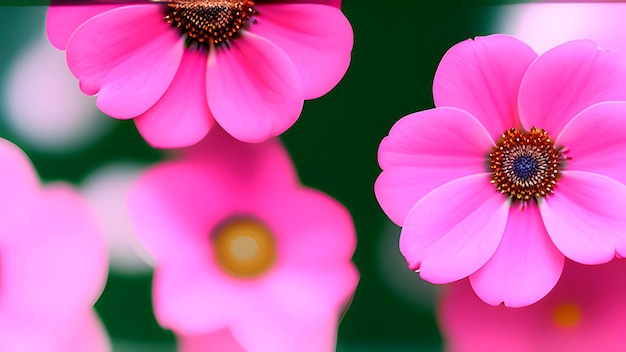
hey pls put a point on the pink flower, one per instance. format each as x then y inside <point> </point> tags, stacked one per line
<point>52,263</point>
<point>252,76</point>
<point>240,245</point>
<point>516,167</point>
<point>543,25</point>
<point>586,311</point>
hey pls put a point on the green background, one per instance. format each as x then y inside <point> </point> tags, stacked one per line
<point>398,45</point>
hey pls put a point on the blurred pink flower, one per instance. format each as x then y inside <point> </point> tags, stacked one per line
<point>516,167</point>
<point>586,311</point>
<point>52,263</point>
<point>240,244</point>
<point>545,24</point>
<point>251,76</point>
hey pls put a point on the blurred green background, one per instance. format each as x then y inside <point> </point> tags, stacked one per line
<point>334,145</point>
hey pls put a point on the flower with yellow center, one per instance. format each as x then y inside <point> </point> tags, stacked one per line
<point>242,249</point>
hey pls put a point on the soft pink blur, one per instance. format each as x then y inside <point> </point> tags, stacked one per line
<point>221,340</point>
<point>545,25</point>
<point>296,305</point>
<point>586,311</point>
<point>53,263</point>
<point>254,88</point>
<point>436,185</point>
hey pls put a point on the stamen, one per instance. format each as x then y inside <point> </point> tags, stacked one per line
<point>525,165</point>
<point>207,22</point>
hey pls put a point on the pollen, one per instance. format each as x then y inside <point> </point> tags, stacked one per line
<point>526,165</point>
<point>206,22</point>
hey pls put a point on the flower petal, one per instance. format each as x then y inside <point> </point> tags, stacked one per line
<point>77,331</point>
<point>128,56</point>
<point>455,229</point>
<point>62,21</point>
<point>317,38</point>
<point>482,76</point>
<point>88,334</point>
<point>325,229</point>
<point>596,140</point>
<point>253,88</point>
<point>566,80</point>
<point>298,309</point>
<point>19,185</point>
<point>192,296</point>
<point>220,340</point>
<point>181,117</point>
<point>60,252</point>
<point>585,217</point>
<point>423,151</point>
<point>469,325</point>
<point>526,265</point>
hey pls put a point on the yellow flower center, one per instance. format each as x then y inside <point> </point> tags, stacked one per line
<point>207,22</point>
<point>244,247</point>
<point>566,315</point>
<point>525,165</point>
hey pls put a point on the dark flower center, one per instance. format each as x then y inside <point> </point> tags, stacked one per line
<point>525,165</point>
<point>206,22</point>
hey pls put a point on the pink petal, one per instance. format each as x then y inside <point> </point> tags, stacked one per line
<point>566,80</point>
<point>182,116</point>
<point>57,263</point>
<point>269,162</point>
<point>253,88</point>
<point>423,151</point>
<point>77,331</point>
<point>596,140</point>
<point>585,217</point>
<point>19,185</point>
<point>317,38</point>
<point>170,218</point>
<point>310,226</point>
<point>87,334</point>
<point>526,265</point>
<point>193,296</point>
<point>455,229</point>
<point>469,325</point>
<point>62,21</point>
<point>297,310</point>
<point>128,56</point>
<point>482,76</point>
<point>221,340</point>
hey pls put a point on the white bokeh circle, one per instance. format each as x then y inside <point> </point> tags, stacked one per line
<point>106,190</point>
<point>44,106</point>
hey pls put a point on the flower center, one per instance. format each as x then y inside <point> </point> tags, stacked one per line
<point>525,165</point>
<point>244,247</point>
<point>207,22</point>
<point>566,315</point>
